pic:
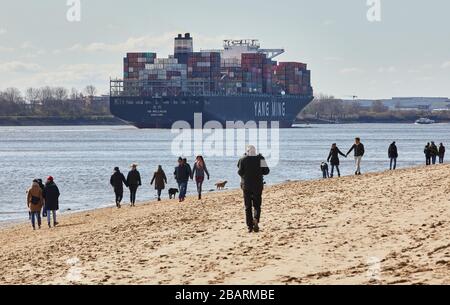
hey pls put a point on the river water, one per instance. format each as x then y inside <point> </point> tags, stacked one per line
<point>81,158</point>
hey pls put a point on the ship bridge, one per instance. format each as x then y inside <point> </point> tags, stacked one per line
<point>234,48</point>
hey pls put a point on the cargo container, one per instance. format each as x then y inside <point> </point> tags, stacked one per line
<point>234,83</point>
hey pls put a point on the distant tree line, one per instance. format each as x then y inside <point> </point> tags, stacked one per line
<point>329,108</point>
<point>52,102</point>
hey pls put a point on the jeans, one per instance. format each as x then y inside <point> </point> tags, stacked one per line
<point>337,169</point>
<point>252,200</point>
<point>182,186</point>
<point>35,215</point>
<point>119,197</point>
<point>49,213</point>
<point>427,160</point>
<point>133,190</point>
<point>393,163</point>
<point>325,174</point>
<point>159,193</point>
<point>433,159</point>
<point>441,159</point>
<point>358,165</point>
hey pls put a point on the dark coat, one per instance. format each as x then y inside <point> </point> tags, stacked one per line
<point>117,181</point>
<point>358,148</point>
<point>427,151</point>
<point>51,197</point>
<point>333,157</point>
<point>441,151</point>
<point>134,178</point>
<point>434,150</point>
<point>252,169</point>
<point>183,173</point>
<point>392,151</point>
<point>160,180</point>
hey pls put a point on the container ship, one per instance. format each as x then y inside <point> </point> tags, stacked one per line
<point>239,83</point>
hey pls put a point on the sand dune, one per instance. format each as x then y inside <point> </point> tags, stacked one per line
<point>389,228</point>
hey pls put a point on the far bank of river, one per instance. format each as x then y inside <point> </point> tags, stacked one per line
<point>59,121</point>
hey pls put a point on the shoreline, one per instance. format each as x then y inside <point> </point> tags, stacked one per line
<point>312,232</point>
<point>60,121</point>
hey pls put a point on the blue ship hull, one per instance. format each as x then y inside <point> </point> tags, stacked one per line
<point>151,112</point>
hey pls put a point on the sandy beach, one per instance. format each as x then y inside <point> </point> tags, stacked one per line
<point>382,228</point>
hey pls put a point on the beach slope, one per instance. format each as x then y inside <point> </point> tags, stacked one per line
<point>389,228</point>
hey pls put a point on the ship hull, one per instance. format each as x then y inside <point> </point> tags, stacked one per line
<point>150,112</point>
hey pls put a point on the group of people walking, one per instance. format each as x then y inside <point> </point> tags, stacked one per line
<point>183,173</point>
<point>432,152</point>
<point>43,199</point>
<point>252,168</point>
<point>133,182</point>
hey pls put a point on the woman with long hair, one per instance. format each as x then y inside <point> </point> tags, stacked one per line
<point>198,173</point>
<point>160,180</point>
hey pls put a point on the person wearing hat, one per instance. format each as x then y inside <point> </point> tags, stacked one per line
<point>51,200</point>
<point>133,182</point>
<point>117,181</point>
<point>252,169</point>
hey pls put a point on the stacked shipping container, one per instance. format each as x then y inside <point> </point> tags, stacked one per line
<point>251,73</point>
<point>135,62</point>
<point>293,77</point>
<point>205,66</point>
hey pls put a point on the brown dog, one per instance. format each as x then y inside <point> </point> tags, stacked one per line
<point>221,185</point>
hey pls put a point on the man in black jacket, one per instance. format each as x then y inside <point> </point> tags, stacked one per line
<point>117,181</point>
<point>252,169</point>
<point>358,147</point>
<point>133,182</point>
<point>393,155</point>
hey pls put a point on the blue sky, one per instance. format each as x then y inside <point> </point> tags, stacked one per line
<point>406,54</point>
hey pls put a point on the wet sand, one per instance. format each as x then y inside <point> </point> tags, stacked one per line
<point>388,228</point>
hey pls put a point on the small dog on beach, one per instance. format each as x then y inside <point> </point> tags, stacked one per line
<point>173,193</point>
<point>221,185</point>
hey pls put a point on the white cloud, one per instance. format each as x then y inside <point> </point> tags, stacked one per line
<point>328,22</point>
<point>75,75</point>
<point>425,78</point>
<point>390,69</point>
<point>161,44</point>
<point>352,70</point>
<point>332,58</point>
<point>3,31</point>
<point>19,67</point>
<point>6,49</point>
<point>142,43</point>
<point>446,65</point>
